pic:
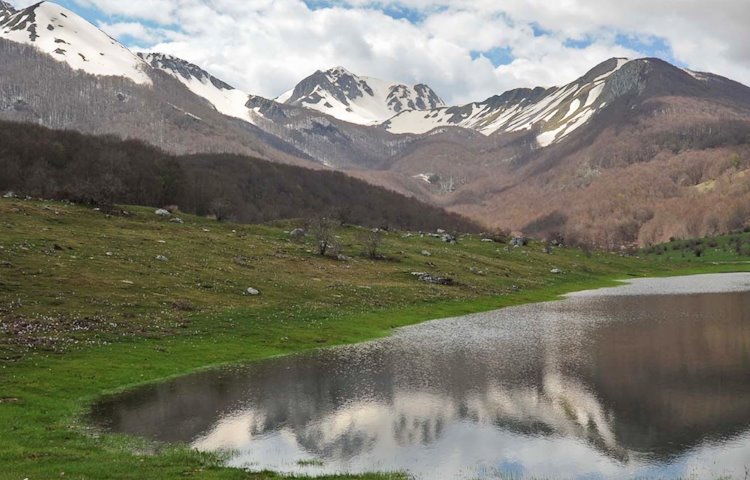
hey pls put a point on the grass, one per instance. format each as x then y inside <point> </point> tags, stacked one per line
<point>86,309</point>
<point>728,248</point>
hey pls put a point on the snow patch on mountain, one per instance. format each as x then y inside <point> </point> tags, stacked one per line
<point>554,112</point>
<point>362,100</point>
<point>225,98</point>
<point>69,38</point>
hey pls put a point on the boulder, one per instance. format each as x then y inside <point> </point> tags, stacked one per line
<point>425,253</point>
<point>426,277</point>
<point>297,234</point>
<point>519,242</point>
<point>448,238</point>
<point>162,213</point>
<point>252,291</point>
<point>556,271</point>
<point>162,258</point>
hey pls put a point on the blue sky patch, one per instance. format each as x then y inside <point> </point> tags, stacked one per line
<point>498,55</point>
<point>651,46</point>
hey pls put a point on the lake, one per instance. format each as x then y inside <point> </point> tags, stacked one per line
<point>651,379</point>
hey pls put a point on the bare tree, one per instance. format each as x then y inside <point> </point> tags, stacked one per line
<point>371,241</point>
<point>322,228</point>
<point>221,208</point>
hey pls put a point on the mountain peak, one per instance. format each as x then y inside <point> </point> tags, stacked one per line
<point>363,100</point>
<point>6,9</point>
<point>339,71</point>
<point>182,68</point>
<point>69,38</point>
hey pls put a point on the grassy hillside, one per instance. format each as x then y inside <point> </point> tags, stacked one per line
<point>87,308</point>
<point>726,248</point>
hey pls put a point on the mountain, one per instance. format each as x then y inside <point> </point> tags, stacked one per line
<point>60,71</point>
<point>556,111</point>
<point>656,152</point>
<point>362,100</point>
<point>68,38</point>
<point>313,135</point>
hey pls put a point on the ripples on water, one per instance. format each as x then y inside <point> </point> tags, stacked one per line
<point>649,380</point>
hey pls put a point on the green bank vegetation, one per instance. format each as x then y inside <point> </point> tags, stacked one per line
<point>92,303</point>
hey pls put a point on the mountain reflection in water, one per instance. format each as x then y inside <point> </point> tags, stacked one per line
<point>597,384</point>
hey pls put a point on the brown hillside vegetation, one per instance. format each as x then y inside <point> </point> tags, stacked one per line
<point>666,162</point>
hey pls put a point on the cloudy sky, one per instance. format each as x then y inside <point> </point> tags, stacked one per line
<point>465,49</point>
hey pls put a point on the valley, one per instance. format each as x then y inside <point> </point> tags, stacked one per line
<point>251,240</point>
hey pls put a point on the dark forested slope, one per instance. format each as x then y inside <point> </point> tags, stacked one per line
<point>46,163</point>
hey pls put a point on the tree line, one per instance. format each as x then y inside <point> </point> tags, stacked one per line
<point>104,170</point>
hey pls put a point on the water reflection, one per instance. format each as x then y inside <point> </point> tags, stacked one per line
<point>597,385</point>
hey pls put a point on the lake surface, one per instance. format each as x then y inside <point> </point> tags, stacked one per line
<point>651,379</point>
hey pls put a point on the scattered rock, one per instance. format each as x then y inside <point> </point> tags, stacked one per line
<point>440,231</point>
<point>425,253</point>
<point>448,238</point>
<point>547,250</point>
<point>109,254</point>
<point>206,230</point>
<point>162,258</point>
<point>488,240</point>
<point>252,291</point>
<point>127,282</point>
<point>9,195</point>
<point>162,213</point>
<point>476,271</point>
<point>297,234</point>
<point>426,277</point>
<point>519,242</point>
<point>556,271</point>
<point>177,220</point>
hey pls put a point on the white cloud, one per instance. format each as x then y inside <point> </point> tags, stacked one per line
<point>133,30</point>
<point>266,46</point>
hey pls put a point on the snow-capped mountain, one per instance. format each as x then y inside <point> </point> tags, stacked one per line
<point>225,98</point>
<point>69,38</point>
<point>555,112</point>
<point>363,100</point>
